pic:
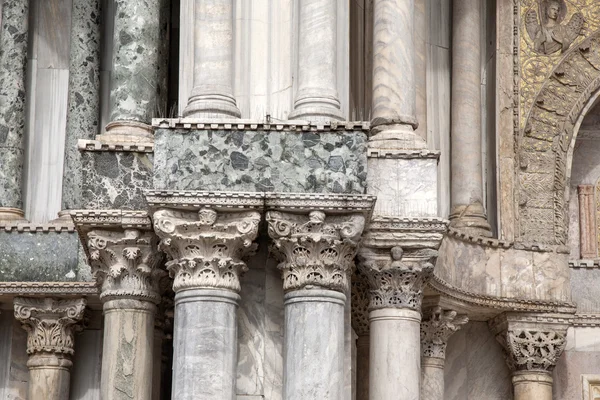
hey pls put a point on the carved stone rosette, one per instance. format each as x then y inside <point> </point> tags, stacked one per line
<point>50,324</point>
<point>437,329</point>
<point>531,342</point>
<point>123,253</point>
<point>398,257</point>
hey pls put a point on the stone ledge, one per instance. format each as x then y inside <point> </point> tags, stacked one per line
<point>95,145</point>
<point>402,154</point>
<point>485,241</point>
<point>253,125</point>
<point>111,218</point>
<point>45,288</point>
<point>586,320</point>
<point>589,264</point>
<point>35,228</point>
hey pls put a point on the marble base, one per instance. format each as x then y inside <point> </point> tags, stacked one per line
<point>205,345</point>
<point>314,345</point>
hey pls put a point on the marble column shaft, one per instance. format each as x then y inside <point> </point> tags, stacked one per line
<point>467,180</point>
<point>362,367</point>
<point>532,385</point>
<point>317,96</point>
<point>83,113</point>
<point>212,94</point>
<point>360,323</point>
<point>587,222</point>
<point>432,378</point>
<point>394,87</point>
<point>14,34</point>
<point>50,326</point>
<point>139,67</point>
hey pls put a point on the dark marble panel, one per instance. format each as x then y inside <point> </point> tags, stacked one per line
<point>114,179</point>
<point>263,161</point>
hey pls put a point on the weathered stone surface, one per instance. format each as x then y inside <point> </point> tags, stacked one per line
<point>11,162</point>
<point>40,257</point>
<point>115,179</point>
<point>260,161</point>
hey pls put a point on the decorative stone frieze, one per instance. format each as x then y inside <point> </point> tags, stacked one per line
<point>50,323</point>
<point>531,342</point>
<point>316,249</point>
<point>398,257</point>
<point>437,329</point>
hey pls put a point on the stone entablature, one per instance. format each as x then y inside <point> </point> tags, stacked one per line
<point>436,329</point>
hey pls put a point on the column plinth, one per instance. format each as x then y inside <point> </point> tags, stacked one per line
<point>123,253</point>
<point>436,329</point>
<point>532,344</point>
<point>316,242</point>
<point>50,326</point>
<point>207,243</point>
<point>317,97</point>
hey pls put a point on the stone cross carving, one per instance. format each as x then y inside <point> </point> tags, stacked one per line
<point>315,249</point>
<point>206,247</point>
<point>551,35</point>
<point>50,323</point>
<point>437,329</point>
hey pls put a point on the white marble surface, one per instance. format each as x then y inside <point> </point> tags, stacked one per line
<point>14,375</point>
<point>85,374</point>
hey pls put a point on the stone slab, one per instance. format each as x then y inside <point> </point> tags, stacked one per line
<point>115,179</point>
<point>311,162</point>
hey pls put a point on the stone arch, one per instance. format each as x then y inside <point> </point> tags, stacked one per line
<point>546,143</point>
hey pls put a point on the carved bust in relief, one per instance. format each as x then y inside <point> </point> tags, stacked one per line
<point>549,34</point>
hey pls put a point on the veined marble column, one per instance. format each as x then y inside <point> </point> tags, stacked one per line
<point>397,264</point>
<point>14,33</point>
<point>212,95</point>
<point>125,261</point>
<point>436,329</point>
<point>360,324</point>
<point>139,67</point>
<point>316,252</point>
<point>50,325</point>
<point>533,343</point>
<point>317,97</point>
<point>394,118</point>
<point>206,247</point>
<point>468,213</point>
<point>83,114</point>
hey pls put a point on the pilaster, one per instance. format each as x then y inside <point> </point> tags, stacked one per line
<point>50,326</point>
<point>532,344</point>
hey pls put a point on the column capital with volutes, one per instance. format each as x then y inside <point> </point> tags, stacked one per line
<point>436,328</point>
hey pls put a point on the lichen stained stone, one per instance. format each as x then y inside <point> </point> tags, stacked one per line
<point>114,179</point>
<point>264,161</point>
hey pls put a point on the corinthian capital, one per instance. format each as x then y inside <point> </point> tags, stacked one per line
<point>49,323</point>
<point>123,253</point>
<point>531,342</point>
<point>397,257</point>
<point>315,249</point>
<point>206,247</point>
<point>437,329</point>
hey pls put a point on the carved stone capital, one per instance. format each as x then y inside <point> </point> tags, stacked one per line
<point>123,252</point>
<point>315,249</point>
<point>397,257</point>
<point>531,342</point>
<point>360,294</point>
<point>206,247</point>
<point>437,328</point>
<point>50,324</point>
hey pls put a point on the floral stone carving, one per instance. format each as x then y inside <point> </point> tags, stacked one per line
<point>206,247</point>
<point>532,350</point>
<point>315,249</point>
<point>50,323</point>
<point>437,329</point>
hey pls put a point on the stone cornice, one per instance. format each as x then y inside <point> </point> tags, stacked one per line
<point>50,323</point>
<point>253,125</point>
<point>436,329</point>
<point>196,200</point>
<point>48,288</point>
<point>28,227</point>
<point>326,202</point>
<point>96,145</point>
<point>403,153</point>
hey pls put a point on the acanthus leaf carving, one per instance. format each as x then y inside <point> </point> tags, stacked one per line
<point>360,296</point>
<point>437,329</point>
<point>206,248</point>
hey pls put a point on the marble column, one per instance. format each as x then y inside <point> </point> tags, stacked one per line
<point>397,262</point>
<point>468,213</point>
<point>360,324</point>
<point>206,248</point>
<point>212,94</point>
<point>436,329</point>
<point>50,326</point>
<point>317,252</point>
<point>122,251</point>
<point>532,343</point>
<point>587,222</point>
<point>317,97</point>
<point>139,66</point>
<point>14,33</point>
<point>83,113</point>
<point>394,118</point>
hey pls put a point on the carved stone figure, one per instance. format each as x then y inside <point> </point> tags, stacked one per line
<point>549,34</point>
